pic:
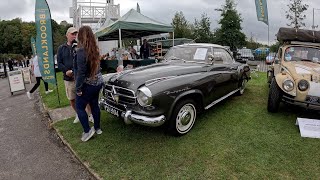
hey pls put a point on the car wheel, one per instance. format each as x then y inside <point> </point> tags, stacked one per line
<point>275,96</point>
<point>183,117</point>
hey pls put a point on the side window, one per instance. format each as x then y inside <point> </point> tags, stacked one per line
<point>223,57</point>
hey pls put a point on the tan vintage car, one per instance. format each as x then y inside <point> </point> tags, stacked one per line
<point>294,76</point>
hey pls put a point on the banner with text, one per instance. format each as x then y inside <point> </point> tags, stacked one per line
<point>262,11</point>
<point>44,44</point>
<point>33,45</point>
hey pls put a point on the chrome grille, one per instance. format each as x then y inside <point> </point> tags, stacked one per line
<point>124,96</point>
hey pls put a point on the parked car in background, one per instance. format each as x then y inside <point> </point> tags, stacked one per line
<point>270,58</point>
<point>190,79</point>
<point>295,75</point>
<point>244,55</point>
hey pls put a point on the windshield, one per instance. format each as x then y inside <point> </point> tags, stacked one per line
<point>188,53</point>
<point>300,53</point>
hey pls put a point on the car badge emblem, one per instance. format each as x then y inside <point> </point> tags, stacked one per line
<point>114,95</point>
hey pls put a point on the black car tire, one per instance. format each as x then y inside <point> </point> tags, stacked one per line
<point>183,117</point>
<point>275,96</point>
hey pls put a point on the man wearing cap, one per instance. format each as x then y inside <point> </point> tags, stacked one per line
<point>65,57</point>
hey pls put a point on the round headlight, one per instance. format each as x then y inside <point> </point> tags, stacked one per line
<point>288,85</point>
<point>303,85</point>
<point>144,96</point>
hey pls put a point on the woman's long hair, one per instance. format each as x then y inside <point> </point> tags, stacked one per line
<point>88,42</point>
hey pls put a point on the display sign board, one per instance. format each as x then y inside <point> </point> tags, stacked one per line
<point>16,81</point>
<point>309,127</point>
<point>26,75</point>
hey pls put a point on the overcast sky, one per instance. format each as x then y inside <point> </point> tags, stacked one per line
<point>164,10</point>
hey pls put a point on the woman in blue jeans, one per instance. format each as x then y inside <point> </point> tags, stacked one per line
<point>88,81</point>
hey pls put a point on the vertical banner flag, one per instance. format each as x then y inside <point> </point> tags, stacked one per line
<point>44,44</point>
<point>262,11</point>
<point>33,45</point>
<point>138,8</point>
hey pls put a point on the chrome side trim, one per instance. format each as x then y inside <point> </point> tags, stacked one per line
<point>221,99</point>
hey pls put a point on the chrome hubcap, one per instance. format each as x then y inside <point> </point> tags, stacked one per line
<point>186,117</point>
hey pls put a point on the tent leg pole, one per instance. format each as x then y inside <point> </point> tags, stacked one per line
<point>173,39</point>
<point>120,39</point>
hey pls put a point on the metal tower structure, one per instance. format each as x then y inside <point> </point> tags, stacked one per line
<point>93,13</point>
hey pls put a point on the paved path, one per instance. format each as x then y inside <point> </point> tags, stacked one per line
<point>28,149</point>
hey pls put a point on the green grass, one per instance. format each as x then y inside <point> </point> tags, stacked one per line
<point>51,100</point>
<point>236,139</point>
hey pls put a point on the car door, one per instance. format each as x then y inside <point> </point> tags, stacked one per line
<point>223,75</point>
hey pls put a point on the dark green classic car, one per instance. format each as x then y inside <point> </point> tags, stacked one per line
<point>191,78</point>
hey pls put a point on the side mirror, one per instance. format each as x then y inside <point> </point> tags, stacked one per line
<point>210,57</point>
<point>276,60</point>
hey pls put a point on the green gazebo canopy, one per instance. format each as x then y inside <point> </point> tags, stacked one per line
<point>132,25</point>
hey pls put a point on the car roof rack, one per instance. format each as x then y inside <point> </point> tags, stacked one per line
<point>301,35</point>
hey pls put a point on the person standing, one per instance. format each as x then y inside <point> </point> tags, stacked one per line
<point>65,58</point>
<point>10,64</point>
<point>36,72</point>
<point>88,81</point>
<point>145,50</point>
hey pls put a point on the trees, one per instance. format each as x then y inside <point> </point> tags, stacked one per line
<point>202,32</point>
<point>229,34</point>
<point>295,13</point>
<point>182,28</point>
<point>15,36</point>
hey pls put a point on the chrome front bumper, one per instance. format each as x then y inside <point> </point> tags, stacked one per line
<point>130,117</point>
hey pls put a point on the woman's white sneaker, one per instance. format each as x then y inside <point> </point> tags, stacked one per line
<point>86,136</point>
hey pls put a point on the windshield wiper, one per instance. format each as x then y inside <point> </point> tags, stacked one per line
<point>173,58</point>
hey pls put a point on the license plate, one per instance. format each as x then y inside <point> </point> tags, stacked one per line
<point>112,111</point>
<point>313,99</point>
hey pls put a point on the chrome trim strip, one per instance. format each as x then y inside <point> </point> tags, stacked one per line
<point>220,99</point>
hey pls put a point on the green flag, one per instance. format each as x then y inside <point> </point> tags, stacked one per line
<point>262,11</point>
<point>33,45</point>
<point>44,44</point>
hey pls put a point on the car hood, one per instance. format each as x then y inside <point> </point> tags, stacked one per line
<point>133,79</point>
<point>303,69</point>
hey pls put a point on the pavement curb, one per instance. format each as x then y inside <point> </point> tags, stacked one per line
<point>50,125</point>
<point>86,165</point>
